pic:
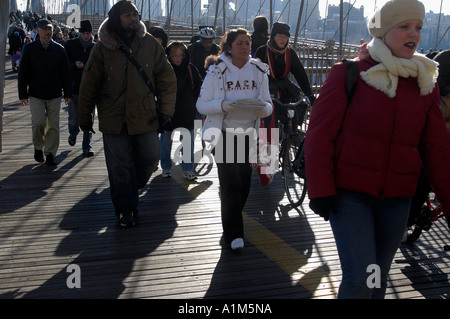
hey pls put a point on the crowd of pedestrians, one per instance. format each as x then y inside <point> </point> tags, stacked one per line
<point>363,156</point>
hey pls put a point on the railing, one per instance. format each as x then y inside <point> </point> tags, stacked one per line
<point>316,56</point>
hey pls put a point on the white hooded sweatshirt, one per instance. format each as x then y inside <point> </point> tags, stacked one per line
<point>226,82</point>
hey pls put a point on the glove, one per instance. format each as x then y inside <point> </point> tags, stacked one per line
<point>164,122</point>
<point>322,206</point>
<point>227,106</point>
<point>87,129</point>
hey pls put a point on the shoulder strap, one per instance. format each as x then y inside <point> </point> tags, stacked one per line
<point>139,68</point>
<point>190,74</point>
<point>351,79</point>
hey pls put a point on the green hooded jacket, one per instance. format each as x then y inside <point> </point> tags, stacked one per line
<point>112,83</point>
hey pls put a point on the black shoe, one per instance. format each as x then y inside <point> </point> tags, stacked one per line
<point>39,156</point>
<point>126,219</point>
<point>88,153</point>
<point>72,140</point>
<point>50,161</point>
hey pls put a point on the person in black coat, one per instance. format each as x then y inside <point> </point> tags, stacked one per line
<point>283,60</point>
<point>260,34</point>
<point>15,44</point>
<point>189,83</point>
<point>44,73</point>
<point>78,51</point>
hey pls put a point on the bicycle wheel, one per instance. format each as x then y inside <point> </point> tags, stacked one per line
<point>293,170</point>
<point>422,222</point>
<point>413,233</point>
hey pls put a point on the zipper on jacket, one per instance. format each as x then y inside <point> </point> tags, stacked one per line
<point>386,164</point>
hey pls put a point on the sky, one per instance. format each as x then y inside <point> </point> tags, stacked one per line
<point>369,5</point>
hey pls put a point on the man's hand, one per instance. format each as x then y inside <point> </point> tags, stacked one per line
<point>87,129</point>
<point>24,101</point>
<point>79,64</point>
<point>67,100</point>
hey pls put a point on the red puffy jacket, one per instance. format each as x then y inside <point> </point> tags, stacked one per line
<point>380,146</point>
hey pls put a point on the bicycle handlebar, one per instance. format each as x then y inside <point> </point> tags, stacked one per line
<point>292,104</point>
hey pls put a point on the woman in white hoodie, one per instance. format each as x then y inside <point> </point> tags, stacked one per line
<point>234,96</point>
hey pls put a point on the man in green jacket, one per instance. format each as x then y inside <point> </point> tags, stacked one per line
<point>127,112</point>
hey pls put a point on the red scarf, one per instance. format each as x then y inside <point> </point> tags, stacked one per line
<point>287,60</point>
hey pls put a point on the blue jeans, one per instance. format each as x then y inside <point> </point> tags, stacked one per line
<point>368,231</point>
<point>166,149</point>
<point>74,127</point>
<point>130,160</point>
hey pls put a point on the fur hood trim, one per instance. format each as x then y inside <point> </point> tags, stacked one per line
<point>110,40</point>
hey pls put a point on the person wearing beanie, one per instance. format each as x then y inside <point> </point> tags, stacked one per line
<point>160,35</point>
<point>78,51</point>
<point>283,61</point>
<point>128,115</point>
<point>364,155</point>
<point>260,35</point>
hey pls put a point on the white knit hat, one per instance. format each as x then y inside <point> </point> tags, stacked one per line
<point>394,12</point>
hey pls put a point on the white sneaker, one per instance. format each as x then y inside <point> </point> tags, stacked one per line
<point>189,175</point>
<point>237,243</point>
<point>166,173</point>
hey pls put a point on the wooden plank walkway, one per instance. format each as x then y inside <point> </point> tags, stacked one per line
<point>52,218</point>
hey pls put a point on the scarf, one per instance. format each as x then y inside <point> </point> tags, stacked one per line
<point>384,76</point>
<point>287,59</point>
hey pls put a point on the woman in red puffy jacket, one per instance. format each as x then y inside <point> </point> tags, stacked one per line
<point>363,161</point>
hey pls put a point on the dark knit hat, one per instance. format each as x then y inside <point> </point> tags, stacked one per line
<point>159,32</point>
<point>280,28</point>
<point>85,26</point>
<point>127,6</point>
<point>260,24</point>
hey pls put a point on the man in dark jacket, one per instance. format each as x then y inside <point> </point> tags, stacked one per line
<point>200,50</point>
<point>127,112</point>
<point>78,51</point>
<point>43,73</point>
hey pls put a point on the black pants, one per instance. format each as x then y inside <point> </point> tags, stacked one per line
<point>235,180</point>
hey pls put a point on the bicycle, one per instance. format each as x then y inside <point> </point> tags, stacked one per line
<point>430,212</point>
<point>292,121</point>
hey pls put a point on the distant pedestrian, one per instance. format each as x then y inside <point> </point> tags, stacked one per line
<point>363,160</point>
<point>44,74</point>
<point>160,35</point>
<point>127,112</point>
<point>78,51</point>
<point>260,35</point>
<point>201,49</point>
<point>15,44</point>
<point>189,83</point>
